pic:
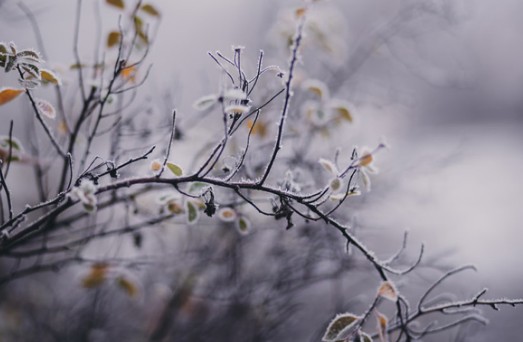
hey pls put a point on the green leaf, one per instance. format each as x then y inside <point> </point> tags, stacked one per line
<point>13,143</point>
<point>197,186</point>
<point>363,337</point>
<point>32,70</point>
<point>116,3</point>
<point>192,212</point>
<point>3,47</point>
<point>150,9</point>
<point>175,169</point>
<point>128,286</point>
<point>340,327</point>
<point>138,26</point>
<point>29,54</point>
<point>244,225</point>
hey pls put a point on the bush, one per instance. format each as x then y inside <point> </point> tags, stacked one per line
<point>227,246</point>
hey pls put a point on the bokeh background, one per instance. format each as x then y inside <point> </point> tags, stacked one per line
<point>441,80</point>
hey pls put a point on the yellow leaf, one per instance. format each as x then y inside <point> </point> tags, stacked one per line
<point>260,128</point>
<point>128,286</point>
<point>113,38</point>
<point>300,12</point>
<point>129,73</point>
<point>49,76</point>
<point>174,207</point>
<point>366,159</point>
<point>150,9</point>
<point>116,3</point>
<point>382,326</point>
<point>8,94</point>
<point>344,113</point>
<point>388,290</point>
<point>96,276</point>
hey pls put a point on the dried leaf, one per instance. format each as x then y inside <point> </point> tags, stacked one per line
<point>113,38</point>
<point>260,128</point>
<point>300,11</point>
<point>227,214</point>
<point>388,291</point>
<point>174,207</point>
<point>175,169</point>
<point>382,326</point>
<point>96,276</point>
<point>340,327</point>
<point>127,286</point>
<point>116,3</point>
<point>45,108</point>
<point>151,10</point>
<point>366,159</point>
<point>129,73</point>
<point>8,94</point>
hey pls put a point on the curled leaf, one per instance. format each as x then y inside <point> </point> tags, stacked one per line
<point>260,128</point>
<point>388,291</point>
<point>9,94</point>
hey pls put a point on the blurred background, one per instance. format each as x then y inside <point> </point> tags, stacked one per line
<point>440,80</point>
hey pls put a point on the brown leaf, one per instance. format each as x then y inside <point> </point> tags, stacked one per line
<point>96,276</point>
<point>388,290</point>
<point>113,38</point>
<point>116,3</point>
<point>128,286</point>
<point>151,10</point>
